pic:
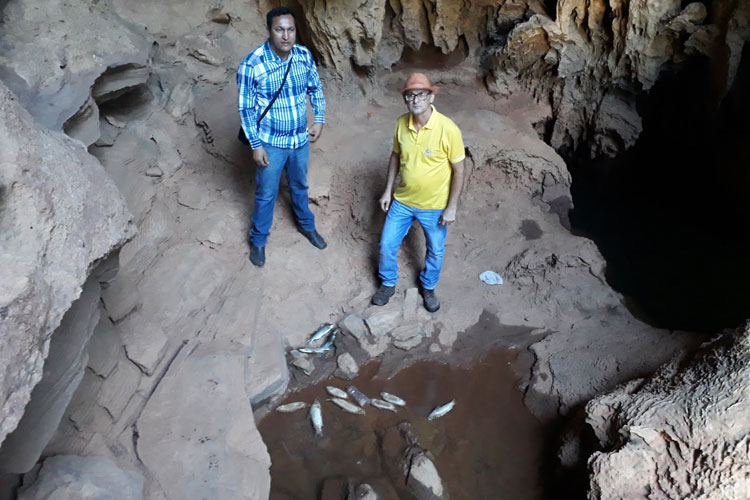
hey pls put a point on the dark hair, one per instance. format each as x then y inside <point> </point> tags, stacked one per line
<point>278,11</point>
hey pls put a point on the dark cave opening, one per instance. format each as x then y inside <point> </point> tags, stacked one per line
<point>430,57</point>
<point>672,215</point>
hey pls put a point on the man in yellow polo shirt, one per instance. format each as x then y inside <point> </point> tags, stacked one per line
<point>428,154</point>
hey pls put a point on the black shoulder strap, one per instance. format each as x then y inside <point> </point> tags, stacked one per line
<point>276,95</point>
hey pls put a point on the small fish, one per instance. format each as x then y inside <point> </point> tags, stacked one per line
<point>441,410</point>
<point>336,392</point>
<point>317,350</point>
<point>320,333</point>
<point>361,399</point>
<point>347,406</point>
<point>383,405</point>
<point>316,417</point>
<point>290,407</point>
<point>393,399</point>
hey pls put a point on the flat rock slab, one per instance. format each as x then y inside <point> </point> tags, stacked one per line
<point>68,477</point>
<point>197,432</point>
<point>381,321</point>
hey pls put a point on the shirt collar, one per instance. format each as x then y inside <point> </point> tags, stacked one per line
<point>272,56</point>
<point>430,123</point>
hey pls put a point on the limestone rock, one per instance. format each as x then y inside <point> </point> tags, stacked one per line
<point>67,477</point>
<point>120,297</point>
<point>104,348</point>
<point>355,326</point>
<point>684,433</point>
<point>347,367</point>
<point>201,413</point>
<point>63,371</point>
<point>408,343</point>
<point>61,214</point>
<point>411,304</point>
<point>268,373</point>
<point>81,41</point>
<point>363,492</point>
<point>302,361</point>
<point>383,320</point>
<point>590,60</point>
<point>424,480</point>
<point>144,341</point>
<point>406,331</point>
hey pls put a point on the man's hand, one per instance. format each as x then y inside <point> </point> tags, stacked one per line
<point>448,216</point>
<point>315,131</point>
<point>385,201</point>
<point>260,157</point>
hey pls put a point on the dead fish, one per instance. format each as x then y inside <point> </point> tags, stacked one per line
<point>347,406</point>
<point>393,399</point>
<point>316,417</point>
<point>320,333</point>
<point>336,392</point>
<point>361,399</point>
<point>290,407</point>
<point>383,405</point>
<point>441,410</point>
<point>318,350</point>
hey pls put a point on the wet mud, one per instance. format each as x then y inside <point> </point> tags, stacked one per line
<point>488,446</point>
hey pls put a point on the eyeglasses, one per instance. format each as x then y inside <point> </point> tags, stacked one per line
<point>416,96</point>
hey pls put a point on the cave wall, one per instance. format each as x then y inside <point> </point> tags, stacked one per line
<point>588,60</point>
<point>683,433</point>
<point>61,214</point>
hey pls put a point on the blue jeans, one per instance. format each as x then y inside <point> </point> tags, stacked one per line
<point>267,188</point>
<point>397,224</point>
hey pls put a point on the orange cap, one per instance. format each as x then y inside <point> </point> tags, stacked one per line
<point>418,81</point>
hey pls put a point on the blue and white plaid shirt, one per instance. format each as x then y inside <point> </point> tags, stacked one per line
<point>259,77</point>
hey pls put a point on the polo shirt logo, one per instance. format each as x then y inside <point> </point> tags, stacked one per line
<point>428,152</point>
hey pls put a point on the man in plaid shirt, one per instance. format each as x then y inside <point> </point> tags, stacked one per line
<point>281,137</point>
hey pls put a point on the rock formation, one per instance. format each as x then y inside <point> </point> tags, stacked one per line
<point>187,325</point>
<point>61,215</point>
<point>67,477</point>
<point>683,433</point>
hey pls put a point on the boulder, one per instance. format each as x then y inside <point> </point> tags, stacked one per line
<point>61,214</point>
<point>683,433</point>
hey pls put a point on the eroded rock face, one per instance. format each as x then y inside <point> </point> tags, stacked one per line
<point>78,48</point>
<point>597,57</point>
<point>60,214</point>
<point>68,477</point>
<point>684,433</point>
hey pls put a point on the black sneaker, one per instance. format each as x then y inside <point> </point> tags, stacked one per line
<point>431,302</point>
<point>257,255</point>
<point>315,238</point>
<point>383,295</point>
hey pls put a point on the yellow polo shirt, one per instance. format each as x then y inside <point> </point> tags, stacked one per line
<point>426,157</point>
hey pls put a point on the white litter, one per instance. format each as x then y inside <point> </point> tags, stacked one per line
<point>491,278</point>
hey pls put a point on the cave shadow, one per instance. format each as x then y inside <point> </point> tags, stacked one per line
<point>671,216</point>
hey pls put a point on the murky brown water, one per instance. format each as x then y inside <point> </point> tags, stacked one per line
<point>489,446</point>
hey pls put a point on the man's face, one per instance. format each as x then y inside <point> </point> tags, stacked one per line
<point>283,34</point>
<point>418,101</point>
